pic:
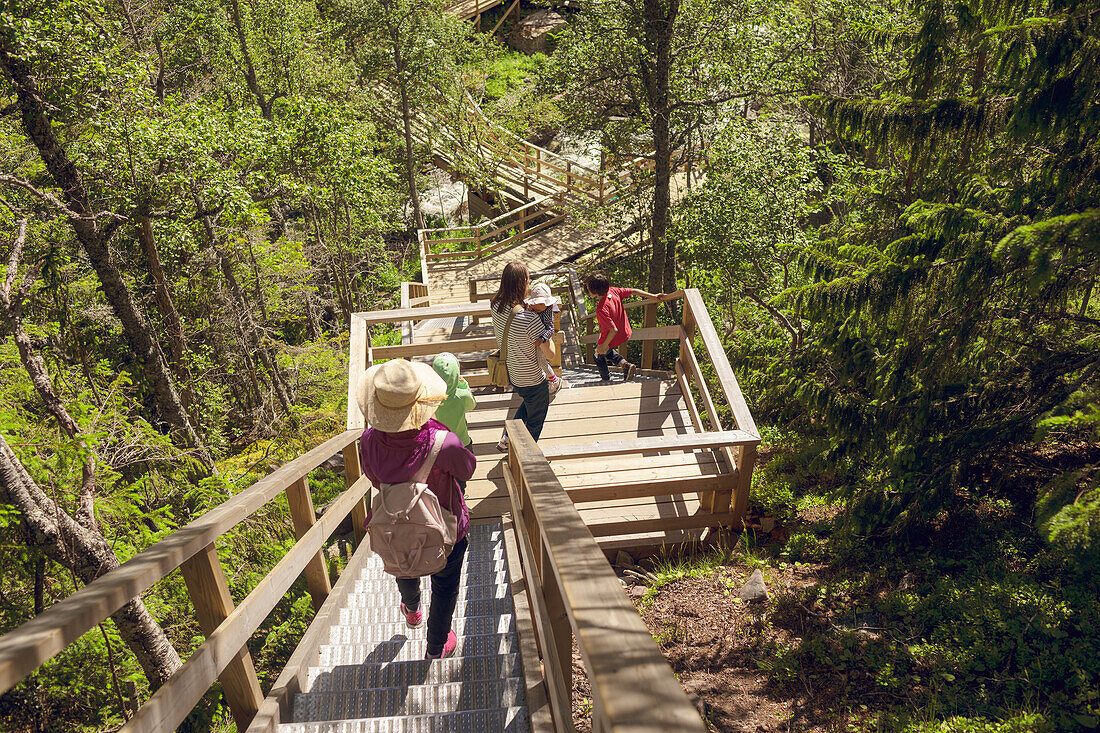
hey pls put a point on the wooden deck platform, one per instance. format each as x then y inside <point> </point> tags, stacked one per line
<point>645,464</point>
<point>626,501</point>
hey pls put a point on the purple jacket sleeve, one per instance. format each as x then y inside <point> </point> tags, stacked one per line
<point>456,459</point>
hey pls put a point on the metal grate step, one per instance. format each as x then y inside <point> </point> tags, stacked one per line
<point>390,613</point>
<point>480,577</point>
<point>418,672</point>
<point>383,592</point>
<point>473,625</point>
<point>509,720</point>
<point>372,676</point>
<point>414,700</point>
<point>403,649</point>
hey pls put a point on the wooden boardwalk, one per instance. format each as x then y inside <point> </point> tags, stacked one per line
<point>610,492</point>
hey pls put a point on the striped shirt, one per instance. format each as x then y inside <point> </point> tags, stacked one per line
<point>523,344</point>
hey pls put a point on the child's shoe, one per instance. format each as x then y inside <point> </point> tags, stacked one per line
<point>502,444</point>
<point>413,619</point>
<point>448,647</point>
<point>628,371</point>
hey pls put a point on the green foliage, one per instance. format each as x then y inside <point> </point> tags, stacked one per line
<point>510,71</point>
<point>950,294</point>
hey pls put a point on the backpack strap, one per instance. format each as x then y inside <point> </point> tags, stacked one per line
<point>421,475</point>
<point>504,340</point>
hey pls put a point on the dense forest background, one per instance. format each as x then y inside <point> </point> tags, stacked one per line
<point>898,235</point>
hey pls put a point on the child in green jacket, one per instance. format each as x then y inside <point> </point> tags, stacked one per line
<point>460,400</point>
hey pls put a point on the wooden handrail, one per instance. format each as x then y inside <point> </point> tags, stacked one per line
<point>669,297</point>
<point>169,705</point>
<point>693,303</point>
<point>641,334</point>
<point>446,310</point>
<point>578,596</point>
<point>655,444</point>
<point>482,234</point>
<point>37,641</point>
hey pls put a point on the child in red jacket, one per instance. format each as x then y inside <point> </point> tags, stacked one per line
<point>614,324</point>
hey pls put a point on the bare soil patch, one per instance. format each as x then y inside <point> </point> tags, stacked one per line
<point>711,639</point>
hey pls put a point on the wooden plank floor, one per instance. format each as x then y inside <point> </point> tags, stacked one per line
<point>619,410</point>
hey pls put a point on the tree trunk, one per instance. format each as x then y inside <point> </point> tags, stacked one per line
<point>94,239</point>
<point>406,119</point>
<point>45,527</point>
<point>177,342</point>
<point>659,25</point>
<point>266,104</point>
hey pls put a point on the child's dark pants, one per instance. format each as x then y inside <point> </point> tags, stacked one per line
<point>602,360</point>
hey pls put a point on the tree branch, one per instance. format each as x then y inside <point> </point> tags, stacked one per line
<point>53,200</point>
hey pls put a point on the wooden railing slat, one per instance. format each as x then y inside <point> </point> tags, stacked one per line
<point>640,334</point>
<point>447,310</point>
<point>427,348</point>
<point>174,700</point>
<point>37,641</point>
<point>656,444</point>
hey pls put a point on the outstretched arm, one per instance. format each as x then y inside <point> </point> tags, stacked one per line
<point>650,296</point>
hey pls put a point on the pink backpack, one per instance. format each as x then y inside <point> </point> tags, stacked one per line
<point>408,528</point>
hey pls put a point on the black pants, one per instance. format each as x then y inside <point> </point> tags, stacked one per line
<point>602,360</point>
<point>536,401</point>
<point>444,596</point>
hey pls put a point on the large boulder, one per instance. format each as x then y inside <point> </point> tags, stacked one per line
<point>532,34</point>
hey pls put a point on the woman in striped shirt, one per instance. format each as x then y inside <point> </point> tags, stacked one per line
<point>524,372</point>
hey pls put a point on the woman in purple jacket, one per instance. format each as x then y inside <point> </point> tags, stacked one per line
<point>398,399</point>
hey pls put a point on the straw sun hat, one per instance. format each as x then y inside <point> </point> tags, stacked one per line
<point>400,395</point>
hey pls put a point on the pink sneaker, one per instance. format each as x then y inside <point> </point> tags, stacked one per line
<point>413,619</point>
<point>448,647</point>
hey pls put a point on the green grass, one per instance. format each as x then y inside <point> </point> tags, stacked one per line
<point>512,70</point>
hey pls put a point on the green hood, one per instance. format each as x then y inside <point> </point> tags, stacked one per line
<point>446,366</point>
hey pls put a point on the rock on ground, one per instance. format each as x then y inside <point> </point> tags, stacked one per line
<point>754,590</point>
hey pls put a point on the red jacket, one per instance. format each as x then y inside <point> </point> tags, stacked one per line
<point>611,314</point>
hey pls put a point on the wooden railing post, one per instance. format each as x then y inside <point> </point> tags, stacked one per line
<point>746,457</point>
<point>352,472</point>
<point>560,629</point>
<point>687,321</point>
<point>647,345</point>
<point>209,591</point>
<point>303,516</point>
<point>357,357</point>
